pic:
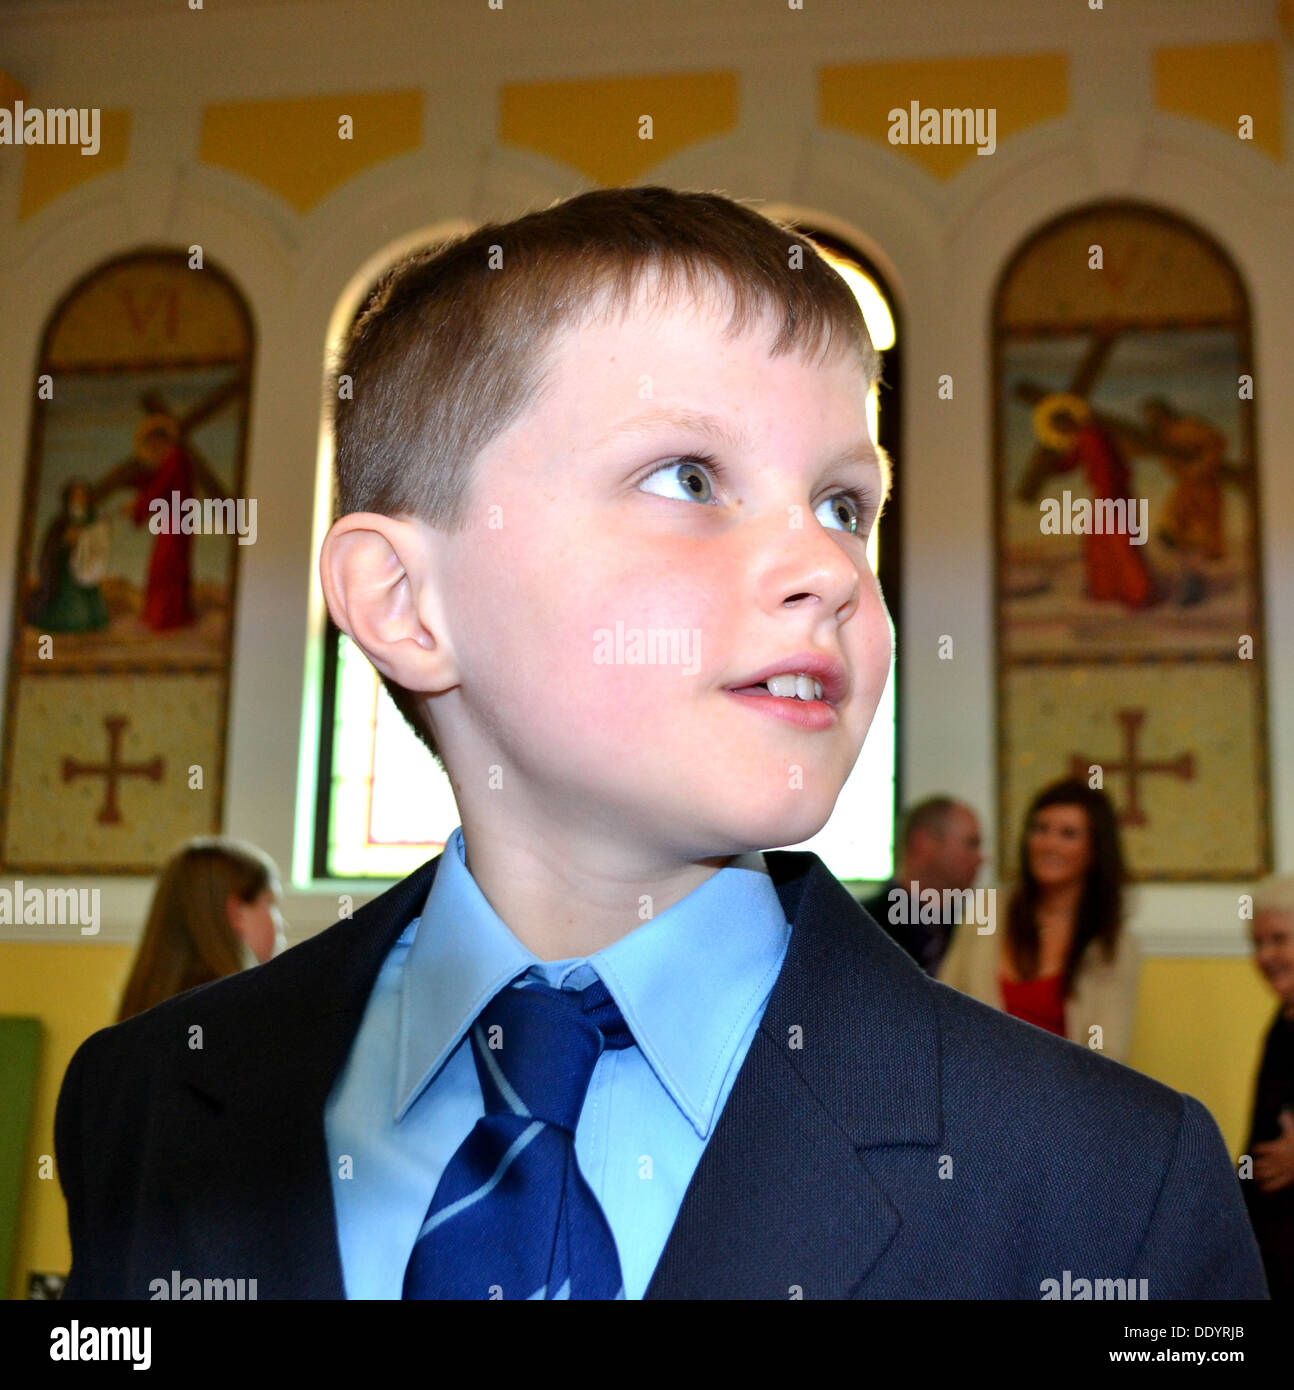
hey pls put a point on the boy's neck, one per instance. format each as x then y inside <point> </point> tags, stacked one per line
<point>563,903</point>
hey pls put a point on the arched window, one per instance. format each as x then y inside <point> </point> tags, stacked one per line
<point>383,806</point>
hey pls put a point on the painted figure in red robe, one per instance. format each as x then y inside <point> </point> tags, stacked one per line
<point>1115,571</point>
<point>168,593</point>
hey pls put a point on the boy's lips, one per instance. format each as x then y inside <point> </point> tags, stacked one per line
<point>824,669</point>
<point>805,714</point>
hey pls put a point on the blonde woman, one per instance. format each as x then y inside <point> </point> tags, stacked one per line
<point>214,912</point>
<point>1063,960</point>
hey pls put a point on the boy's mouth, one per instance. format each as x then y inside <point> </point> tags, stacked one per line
<point>806,678</point>
<point>802,688</point>
<point>804,714</point>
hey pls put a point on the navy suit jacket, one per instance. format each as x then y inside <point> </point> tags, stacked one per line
<point>886,1137</point>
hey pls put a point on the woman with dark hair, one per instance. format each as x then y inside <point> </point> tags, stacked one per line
<point>1064,962</point>
<point>214,913</point>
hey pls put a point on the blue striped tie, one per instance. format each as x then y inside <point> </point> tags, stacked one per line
<point>512,1216</point>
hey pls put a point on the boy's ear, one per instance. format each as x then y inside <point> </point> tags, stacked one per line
<point>378,580</point>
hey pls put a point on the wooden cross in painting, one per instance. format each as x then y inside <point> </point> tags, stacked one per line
<point>1182,766</point>
<point>114,768</point>
<point>135,472</point>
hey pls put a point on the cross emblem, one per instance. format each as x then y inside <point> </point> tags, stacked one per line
<point>1182,766</point>
<point>112,769</point>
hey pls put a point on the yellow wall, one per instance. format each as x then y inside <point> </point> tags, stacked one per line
<point>73,990</point>
<point>1199,1029</point>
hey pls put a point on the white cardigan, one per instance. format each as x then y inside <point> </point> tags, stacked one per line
<point>1105,992</point>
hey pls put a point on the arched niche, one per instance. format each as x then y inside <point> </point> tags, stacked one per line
<point>134,518</point>
<point>1128,577</point>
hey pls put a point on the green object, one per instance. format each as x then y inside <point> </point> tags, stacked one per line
<point>19,1061</point>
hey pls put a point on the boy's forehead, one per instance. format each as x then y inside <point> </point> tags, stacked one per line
<point>627,345</point>
<point>591,398</point>
<point>626,368</point>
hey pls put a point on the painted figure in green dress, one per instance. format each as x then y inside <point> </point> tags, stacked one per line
<point>73,560</point>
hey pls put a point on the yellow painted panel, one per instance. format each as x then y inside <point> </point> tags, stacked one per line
<point>594,125</point>
<point>1021,89</point>
<point>49,171</point>
<point>1220,82</point>
<point>74,990</point>
<point>296,147</point>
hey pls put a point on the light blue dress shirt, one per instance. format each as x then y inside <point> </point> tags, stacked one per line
<point>692,985</point>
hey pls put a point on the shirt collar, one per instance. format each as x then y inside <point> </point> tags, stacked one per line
<point>687,982</point>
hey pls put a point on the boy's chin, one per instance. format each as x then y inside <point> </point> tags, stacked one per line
<point>759,832</point>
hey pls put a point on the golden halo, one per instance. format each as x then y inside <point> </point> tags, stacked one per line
<point>1045,412</point>
<point>151,424</point>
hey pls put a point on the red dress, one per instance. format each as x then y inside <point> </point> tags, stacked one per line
<point>1115,570</point>
<point>1040,1002</point>
<point>168,595</point>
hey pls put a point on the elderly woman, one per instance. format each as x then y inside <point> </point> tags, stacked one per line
<point>1270,1193</point>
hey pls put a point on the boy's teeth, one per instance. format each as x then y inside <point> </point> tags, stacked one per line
<point>794,687</point>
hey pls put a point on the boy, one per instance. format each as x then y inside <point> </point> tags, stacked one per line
<point>602,1046</point>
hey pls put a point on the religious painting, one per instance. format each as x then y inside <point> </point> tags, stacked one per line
<point>134,520</point>
<point>1128,593</point>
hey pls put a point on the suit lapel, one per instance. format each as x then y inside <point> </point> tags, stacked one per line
<point>779,1206</point>
<point>269,1212</point>
<point>782,1203</point>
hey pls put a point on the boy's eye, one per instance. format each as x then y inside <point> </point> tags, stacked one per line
<point>689,473</point>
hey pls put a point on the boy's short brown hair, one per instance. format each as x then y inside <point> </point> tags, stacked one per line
<point>454,342</point>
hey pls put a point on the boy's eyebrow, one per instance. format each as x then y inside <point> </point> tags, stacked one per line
<point>719,430</point>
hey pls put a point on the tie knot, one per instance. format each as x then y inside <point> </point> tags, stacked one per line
<point>597,1004</point>
<point>536,1047</point>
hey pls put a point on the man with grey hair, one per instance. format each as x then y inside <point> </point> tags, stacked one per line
<point>1269,1193</point>
<point>938,843</point>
